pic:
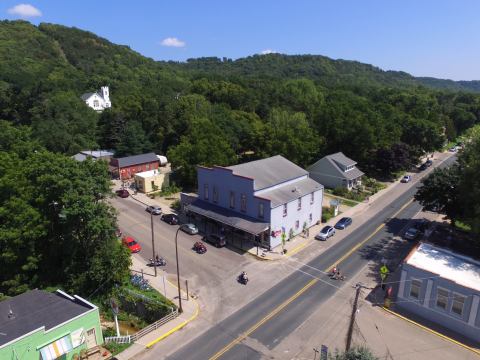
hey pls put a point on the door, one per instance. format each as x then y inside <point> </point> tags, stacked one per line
<point>91,338</point>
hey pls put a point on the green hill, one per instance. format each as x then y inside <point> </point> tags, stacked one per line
<point>214,111</point>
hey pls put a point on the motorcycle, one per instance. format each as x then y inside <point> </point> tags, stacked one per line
<point>243,279</point>
<point>200,247</point>
<point>157,262</point>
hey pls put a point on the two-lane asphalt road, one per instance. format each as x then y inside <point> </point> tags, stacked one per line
<point>263,323</point>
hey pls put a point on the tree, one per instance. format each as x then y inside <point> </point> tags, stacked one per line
<point>440,192</point>
<point>55,227</point>
<point>356,353</point>
<point>396,158</point>
<point>63,123</point>
<point>203,145</point>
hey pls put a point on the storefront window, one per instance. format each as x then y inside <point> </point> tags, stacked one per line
<point>243,202</point>
<point>205,191</point>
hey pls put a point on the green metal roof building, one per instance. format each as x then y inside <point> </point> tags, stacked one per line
<point>41,325</point>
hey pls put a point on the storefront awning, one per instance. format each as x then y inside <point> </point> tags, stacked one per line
<point>228,217</point>
<point>57,348</point>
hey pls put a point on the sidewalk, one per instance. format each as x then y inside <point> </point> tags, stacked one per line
<point>161,284</point>
<point>300,242</point>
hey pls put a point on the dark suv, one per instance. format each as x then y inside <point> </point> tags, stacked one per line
<point>216,240</point>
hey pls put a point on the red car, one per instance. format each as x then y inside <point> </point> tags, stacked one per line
<point>123,193</point>
<point>131,244</point>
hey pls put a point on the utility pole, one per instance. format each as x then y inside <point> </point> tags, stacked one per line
<point>153,244</point>
<point>358,288</point>
<point>180,309</point>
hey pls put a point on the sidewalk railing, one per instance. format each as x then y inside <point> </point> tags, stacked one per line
<point>146,330</point>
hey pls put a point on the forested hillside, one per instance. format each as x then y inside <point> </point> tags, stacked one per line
<point>211,111</point>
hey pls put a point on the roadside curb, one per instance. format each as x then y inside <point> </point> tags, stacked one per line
<point>178,327</point>
<point>423,327</point>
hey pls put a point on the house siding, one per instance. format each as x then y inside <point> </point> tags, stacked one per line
<point>225,182</point>
<point>26,347</point>
<point>468,324</point>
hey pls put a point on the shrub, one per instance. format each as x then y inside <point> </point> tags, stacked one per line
<point>340,191</point>
<point>176,205</point>
<point>327,213</point>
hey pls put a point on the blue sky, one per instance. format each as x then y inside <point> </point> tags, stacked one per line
<point>437,38</point>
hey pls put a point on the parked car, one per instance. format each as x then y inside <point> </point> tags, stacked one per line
<point>453,149</point>
<point>423,167</point>
<point>155,210</point>
<point>421,225</point>
<point>406,179</point>
<point>412,234</point>
<point>343,223</point>
<point>123,193</point>
<point>326,232</point>
<point>428,163</point>
<point>171,219</point>
<point>131,244</point>
<point>216,240</point>
<point>189,229</point>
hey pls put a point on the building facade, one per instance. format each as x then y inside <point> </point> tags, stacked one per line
<point>42,325</point>
<point>93,154</point>
<point>125,168</point>
<point>442,287</point>
<point>335,171</point>
<point>267,199</point>
<point>149,181</point>
<point>98,101</point>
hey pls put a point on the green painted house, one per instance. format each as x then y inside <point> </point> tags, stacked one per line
<point>39,325</point>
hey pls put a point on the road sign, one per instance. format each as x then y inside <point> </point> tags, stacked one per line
<point>384,272</point>
<point>114,306</point>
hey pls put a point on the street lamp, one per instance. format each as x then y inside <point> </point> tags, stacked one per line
<point>153,244</point>
<point>178,271</point>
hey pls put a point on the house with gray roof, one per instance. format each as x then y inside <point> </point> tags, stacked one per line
<point>258,202</point>
<point>42,325</point>
<point>94,155</point>
<point>336,170</point>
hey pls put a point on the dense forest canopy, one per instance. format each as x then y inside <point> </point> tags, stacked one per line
<point>219,111</point>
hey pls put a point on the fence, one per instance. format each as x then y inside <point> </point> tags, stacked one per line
<point>154,326</point>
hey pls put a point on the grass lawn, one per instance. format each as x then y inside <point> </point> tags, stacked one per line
<point>115,348</point>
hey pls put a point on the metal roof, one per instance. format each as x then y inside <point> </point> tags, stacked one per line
<point>87,96</point>
<point>228,217</point>
<point>457,268</point>
<point>35,309</point>
<point>269,172</point>
<point>290,192</point>
<point>137,159</point>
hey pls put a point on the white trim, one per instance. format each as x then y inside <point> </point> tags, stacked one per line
<point>65,294</point>
<point>85,301</point>
<point>473,310</point>
<point>428,293</point>
<point>401,289</point>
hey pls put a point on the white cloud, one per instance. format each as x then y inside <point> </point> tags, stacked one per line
<point>268,51</point>
<point>24,11</point>
<point>173,42</point>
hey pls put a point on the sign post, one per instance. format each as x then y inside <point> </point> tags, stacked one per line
<point>384,273</point>
<point>114,307</point>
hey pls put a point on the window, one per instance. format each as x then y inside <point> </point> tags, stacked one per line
<point>243,202</point>
<point>299,204</point>
<point>284,210</point>
<point>215,194</point>
<point>260,210</point>
<point>96,103</point>
<point>312,198</point>
<point>232,199</point>
<point>442,298</point>
<point>415,288</point>
<point>297,224</point>
<point>457,304</point>
<point>310,217</point>
<point>205,191</point>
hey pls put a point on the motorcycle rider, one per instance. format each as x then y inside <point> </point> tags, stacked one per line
<point>244,276</point>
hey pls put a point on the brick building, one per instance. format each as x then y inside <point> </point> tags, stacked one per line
<point>126,167</point>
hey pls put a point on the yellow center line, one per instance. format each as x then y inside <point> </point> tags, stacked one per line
<point>264,320</point>
<point>298,293</point>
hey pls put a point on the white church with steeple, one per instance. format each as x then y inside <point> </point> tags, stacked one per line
<point>98,101</point>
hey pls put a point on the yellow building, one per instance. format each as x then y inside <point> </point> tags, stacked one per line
<point>149,181</point>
